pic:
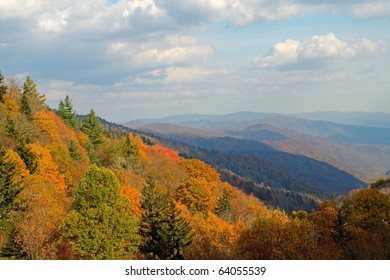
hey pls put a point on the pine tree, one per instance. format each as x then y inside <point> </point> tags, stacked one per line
<point>9,188</point>
<point>27,156</point>
<point>25,106</point>
<point>224,208</point>
<point>177,237</point>
<point>67,113</point>
<point>3,88</point>
<point>74,152</point>
<point>32,101</point>
<point>93,128</point>
<point>164,232</point>
<point>11,129</point>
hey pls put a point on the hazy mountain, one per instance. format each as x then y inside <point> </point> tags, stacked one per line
<point>352,134</point>
<point>234,120</point>
<point>375,119</point>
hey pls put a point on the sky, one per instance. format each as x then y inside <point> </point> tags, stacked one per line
<point>130,59</point>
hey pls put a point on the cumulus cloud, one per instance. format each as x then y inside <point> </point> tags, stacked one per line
<point>161,52</point>
<point>313,51</point>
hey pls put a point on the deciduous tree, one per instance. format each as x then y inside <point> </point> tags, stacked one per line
<point>101,225</point>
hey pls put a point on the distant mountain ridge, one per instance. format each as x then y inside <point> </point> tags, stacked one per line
<point>372,119</point>
<point>363,151</point>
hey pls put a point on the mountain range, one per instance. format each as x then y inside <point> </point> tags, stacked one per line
<point>319,153</point>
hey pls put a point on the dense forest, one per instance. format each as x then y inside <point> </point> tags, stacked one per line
<point>71,188</point>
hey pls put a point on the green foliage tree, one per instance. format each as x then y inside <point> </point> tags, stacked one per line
<point>27,156</point>
<point>67,113</point>
<point>32,101</point>
<point>224,208</point>
<point>93,128</point>
<point>74,152</point>
<point>101,225</point>
<point>11,130</point>
<point>25,106</point>
<point>164,232</point>
<point>3,88</point>
<point>9,190</point>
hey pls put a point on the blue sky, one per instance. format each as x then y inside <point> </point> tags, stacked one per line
<point>132,59</point>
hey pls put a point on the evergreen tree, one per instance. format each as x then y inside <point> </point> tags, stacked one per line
<point>93,128</point>
<point>67,113</point>
<point>3,88</point>
<point>177,237</point>
<point>224,208</point>
<point>101,226</point>
<point>9,189</point>
<point>11,130</point>
<point>32,101</point>
<point>27,156</point>
<point>164,232</point>
<point>25,106</point>
<point>74,152</point>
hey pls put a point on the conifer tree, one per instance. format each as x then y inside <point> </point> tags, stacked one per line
<point>25,106</point>
<point>9,188</point>
<point>31,101</point>
<point>3,88</point>
<point>224,208</point>
<point>67,113</point>
<point>74,152</point>
<point>93,128</point>
<point>27,156</point>
<point>164,232</point>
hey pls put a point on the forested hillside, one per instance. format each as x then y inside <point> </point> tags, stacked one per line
<point>72,189</point>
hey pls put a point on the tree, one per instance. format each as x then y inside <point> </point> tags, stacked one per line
<point>25,106</point>
<point>27,156</point>
<point>73,150</point>
<point>93,128</point>
<point>164,232</point>
<point>32,101</point>
<point>67,113</point>
<point>101,225</point>
<point>326,221</point>
<point>224,208</point>
<point>9,188</point>
<point>367,215</point>
<point>3,88</point>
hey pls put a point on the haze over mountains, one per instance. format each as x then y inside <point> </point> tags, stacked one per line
<point>322,152</point>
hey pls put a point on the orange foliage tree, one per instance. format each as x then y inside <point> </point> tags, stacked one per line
<point>47,168</point>
<point>200,191</point>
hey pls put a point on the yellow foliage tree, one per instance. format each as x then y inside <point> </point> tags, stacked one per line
<point>47,168</point>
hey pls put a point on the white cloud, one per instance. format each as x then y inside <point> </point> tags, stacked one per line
<point>313,51</point>
<point>281,54</point>
<point>372,10</point>
<point>172,56</point>
<point>190,74</point>
<point>161,52</point>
